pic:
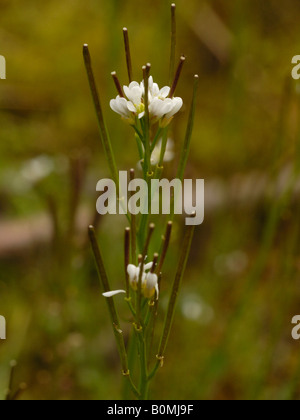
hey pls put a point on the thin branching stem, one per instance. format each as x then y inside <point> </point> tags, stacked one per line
<point>146,72</point>
<point>102,126</point>
<point>128,54</point>
<point>188,136</point>
<point>111,308</point>
<point>177,76</point>
<point>186,247</point>
<point>127,259</point>
<point>155,140</point>
<point>142,264</point>
<point>164,246</point>
<point>117,84</point>
<point>173,42</point>
<point>133,226</point>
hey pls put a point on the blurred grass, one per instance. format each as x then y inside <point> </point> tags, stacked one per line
<point>231,336</point>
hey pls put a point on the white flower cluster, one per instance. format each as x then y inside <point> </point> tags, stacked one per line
<point>149,281</point>
<point>161,107</point>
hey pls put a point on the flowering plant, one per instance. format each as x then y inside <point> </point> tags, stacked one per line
<point>149,110</point>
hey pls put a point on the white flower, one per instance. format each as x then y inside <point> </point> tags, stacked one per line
<point>149,281</point>
<point>161,107</point>
<point>164,109</point>
<point>154,91</point>
<point>169,153</point>
<point>150,286</point>
<point>134,275</point>
<point>119,105</point>
<point>132,106</point>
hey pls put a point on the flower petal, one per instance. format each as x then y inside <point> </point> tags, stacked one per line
<point>148,266</point>
<point>113,293</point>
<point>176,106</point>
<point>131,107</point>
<point>133,271</point>
<point>164,92</point>
<point>157,291</point>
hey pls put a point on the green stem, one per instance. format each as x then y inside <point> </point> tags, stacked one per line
<point>187,141</point>
<point>145,216</point>
<point>146,71</point>
<point>133,226</point>
<point>163,147</point>
<point>156,138</point>
<point>102,126</point>
<point>139,291</point>
<point>173,43</point>
<point>111,309</point>
<point>186,247</point>
<point>144,384</point>
<point>139,134</point>
<point>164,246</point>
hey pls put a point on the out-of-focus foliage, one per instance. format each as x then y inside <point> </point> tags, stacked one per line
<point>232,334</point>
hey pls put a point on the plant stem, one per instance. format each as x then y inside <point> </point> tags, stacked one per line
<point>164,247</point>
<point>128,54</point>
<point>127,259</point>
<point>146,72</point>
<point>156,138</point>
<point>177,76</point>
<point>188,136</point>
<point>133,226</point>
<point>173,42</point>
<point>139,291</point>
<point>186,247</point>
<point>102,126</point>
<point>111,308</point>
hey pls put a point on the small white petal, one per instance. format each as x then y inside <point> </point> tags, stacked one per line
<point>113,105</point>
<point>151,281</point>
<point>134,94</point>
<point>168,106</point>
<point>148,266</point>
<point>131,107</point>
<point>155,90</point>
<point>155,108</point>
<point>126,91</point>
<point>119,105</point>
<point>157,291</point>
<point>133,271</point>
<point>113,293</point>
<point>165,91</point>
<point>150,82</point>
<point>133,84</point>
<point>176,106</point>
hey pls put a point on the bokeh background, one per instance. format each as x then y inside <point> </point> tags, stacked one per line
<point>232,332</point>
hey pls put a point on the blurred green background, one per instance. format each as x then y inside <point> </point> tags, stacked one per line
<point>232,332</point>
